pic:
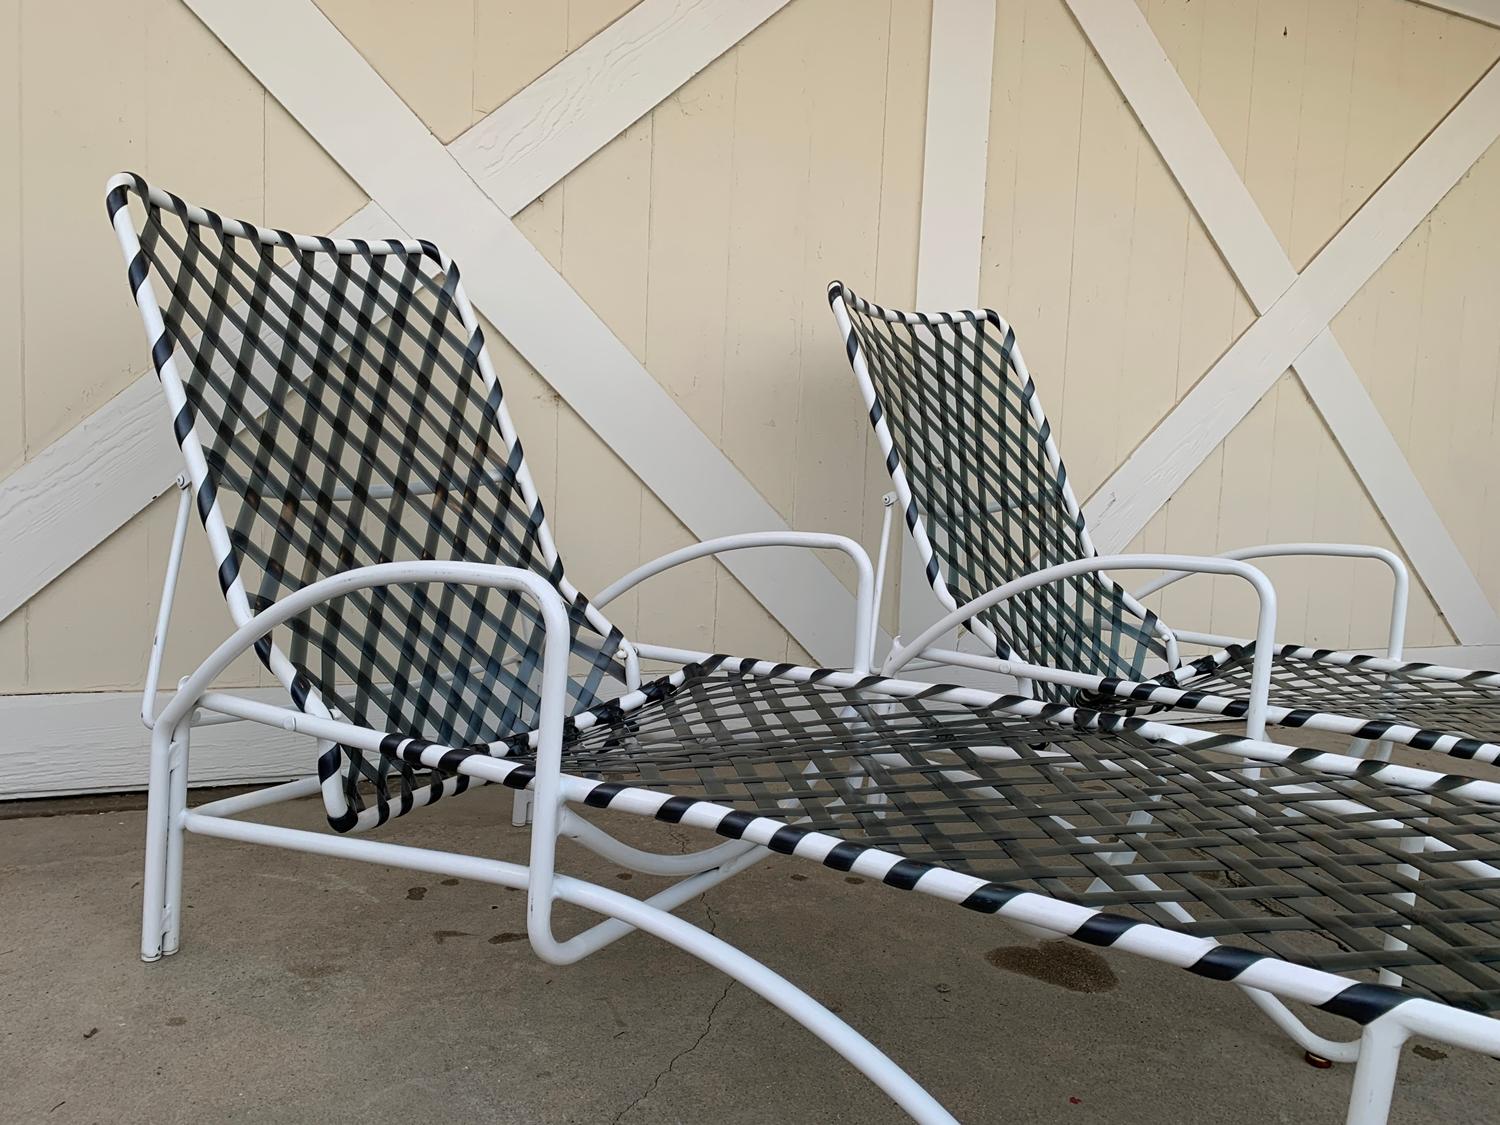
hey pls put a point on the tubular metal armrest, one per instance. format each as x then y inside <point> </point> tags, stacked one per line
<point>864,597</point>
<point>554,618</point>
<point>1260,679</point>
<point>1401,579</point>
<point>163,837</point>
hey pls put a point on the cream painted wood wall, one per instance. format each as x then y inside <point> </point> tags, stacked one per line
<point>1121,300</point>
<point>703,236</point>
<point>705,233</point>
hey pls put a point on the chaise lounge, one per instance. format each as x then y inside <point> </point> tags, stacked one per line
<point>382,550</point>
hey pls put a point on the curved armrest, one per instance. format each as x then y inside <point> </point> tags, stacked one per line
<point>556,646</point>
<point>1260,677</point>
<point>1400,577</point>
<point>864,596</point>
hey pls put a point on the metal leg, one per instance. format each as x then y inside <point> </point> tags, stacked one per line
<point>177,761</point>
<point>630,914</point>
<point>1360,747</point>
<point>1375,1074</point>
<point>158,817</point>
<point>520,808</point>
<point>1393,940</point>
<point>1316,1046</point>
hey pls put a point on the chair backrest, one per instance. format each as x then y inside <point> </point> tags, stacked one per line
<point>984,492</point>
<point>336,408</point>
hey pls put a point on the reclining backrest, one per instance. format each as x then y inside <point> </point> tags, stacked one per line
<point>984,492</point>
<point>336,408</point>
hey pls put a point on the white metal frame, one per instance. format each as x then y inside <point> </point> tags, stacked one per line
<point>923,646</point>
<point>1269,983</point>
<point>1400,584</point>
<point>195,703</point>
<point>923,650</point>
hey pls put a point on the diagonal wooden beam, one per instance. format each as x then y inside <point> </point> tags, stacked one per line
<point>319,77</point>
<point>1296,311</point>
<point>83,487</point>
<point>600,90</point>
<point>955,165</point>
<point>954,153</point>
<point>1482,11</point>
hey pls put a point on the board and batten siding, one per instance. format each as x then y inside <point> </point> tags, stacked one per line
<point>1122,301</point>
<point>703,236</point>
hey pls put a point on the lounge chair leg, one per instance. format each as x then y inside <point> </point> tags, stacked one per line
<point>1360,748</point>
<point>176,806</point>
<point>631,913</point>
<point>899,1086</point>
<point>158,819</point>
<point>1316,1046</point>
<point>1375,1074</point>
<point>520,809</point>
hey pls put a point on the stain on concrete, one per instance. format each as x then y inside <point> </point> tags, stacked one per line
<point>416,894</point>
<point>450,882</point>
<point>1063,963</point>
<point>799,878</point>
<point>1429,1052</point>
<point>441,936</point>
<point>507,937</point>
<point>624,875</point>
<point>176,1021</point>
<point>91,1032</point>
<point>855,879</point>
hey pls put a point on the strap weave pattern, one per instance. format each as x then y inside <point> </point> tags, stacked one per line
<point>957,415</point>
<point>346,419</point>
<point>1352,684</point>
<point>1301,863</point>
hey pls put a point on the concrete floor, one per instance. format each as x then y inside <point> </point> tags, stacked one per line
<point>312,990</point>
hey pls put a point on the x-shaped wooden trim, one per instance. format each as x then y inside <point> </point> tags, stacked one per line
<point>81,488</point>
<point>1295,311</point>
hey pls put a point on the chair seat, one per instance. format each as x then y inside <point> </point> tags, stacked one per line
<point>1310,682</point>
<point>1298,861</point>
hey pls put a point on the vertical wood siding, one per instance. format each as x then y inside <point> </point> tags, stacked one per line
<point>703,236</point>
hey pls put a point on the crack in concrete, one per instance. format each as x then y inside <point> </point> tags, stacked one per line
<point>708,1026</point>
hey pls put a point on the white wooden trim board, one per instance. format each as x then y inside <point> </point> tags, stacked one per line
<point>94,742</point>
<point>955,156</point>
<point>1484,11</point>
